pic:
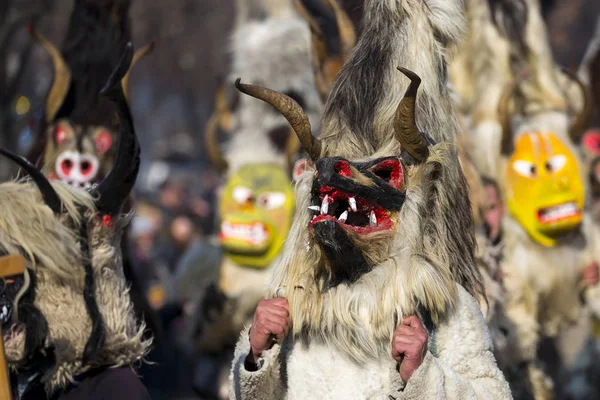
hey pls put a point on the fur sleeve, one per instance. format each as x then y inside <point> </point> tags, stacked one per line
<point>465,367</point>
<point>263,384</point>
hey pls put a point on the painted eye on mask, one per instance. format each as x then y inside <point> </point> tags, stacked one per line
<point>556,163</point>
<point>271,200</point>
<point>242,194</point>
<point>525,168</point>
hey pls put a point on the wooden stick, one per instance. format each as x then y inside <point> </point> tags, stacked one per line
<point>9,266</point>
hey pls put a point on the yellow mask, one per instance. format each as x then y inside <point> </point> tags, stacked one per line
<point>544,187</point>
<point>256,212</point>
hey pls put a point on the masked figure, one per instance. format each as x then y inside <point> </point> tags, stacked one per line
<point>522,128</point>
<point>372,297</point>
<point>79,135</point>
<point>69,327</point>
<point>256,204</point>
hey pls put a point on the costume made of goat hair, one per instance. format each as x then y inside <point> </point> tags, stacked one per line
<point>404,245</point>
<point>52,248</point>
<point>270,43</point>
<point>73,310</point>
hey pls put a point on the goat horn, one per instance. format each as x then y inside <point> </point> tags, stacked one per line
<point>116,187</point>
<point>291,111</point>
<point>62,77</point>
<point>405,125</point>
<point>48,193</point>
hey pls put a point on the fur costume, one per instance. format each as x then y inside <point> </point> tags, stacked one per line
<point>383,229</point>
<point>270,43</point>
<point>78,139</point>
<point>259,153</point>
<point>526,142</point>
<point>71,313</point>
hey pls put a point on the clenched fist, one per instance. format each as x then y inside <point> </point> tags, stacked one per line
<point>270,325</point>
<point>409,346</point>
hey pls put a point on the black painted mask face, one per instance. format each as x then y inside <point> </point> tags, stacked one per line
<point>353,204</point>
<point>9,288</point>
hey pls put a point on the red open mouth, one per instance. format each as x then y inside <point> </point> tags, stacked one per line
<point>353,213</point>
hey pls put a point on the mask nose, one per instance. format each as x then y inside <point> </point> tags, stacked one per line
<point>562,183</point>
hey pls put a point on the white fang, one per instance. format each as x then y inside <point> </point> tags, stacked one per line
<point>352,202</point>
<point>373,219</point>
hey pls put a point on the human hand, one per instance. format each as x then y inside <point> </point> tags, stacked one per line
<point>409,346</point>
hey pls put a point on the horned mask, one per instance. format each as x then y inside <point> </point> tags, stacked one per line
<point>80,131</point>
<point>70,311</point>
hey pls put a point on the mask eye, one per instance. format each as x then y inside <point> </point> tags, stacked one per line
<point>103,142</point>
<point>241,194</point>
<point>271,200</point>
<point>556,163</point>
<point>61,135</point>
<point>389,171</point>
<point>525,168</point>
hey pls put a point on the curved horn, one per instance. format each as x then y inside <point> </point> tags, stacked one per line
<point>221,117</point>
<point>345,28</point>
<point>211,144</point>
<point>141,53</point>
<point>48,193</point>
<point>577,128</point>
<point>405,126</point>
<point>62,77</point>
<point>115,188</point>
<point>504,116</point>
<point>291,111</point>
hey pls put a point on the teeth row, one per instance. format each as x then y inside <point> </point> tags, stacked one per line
<point>344,216</point>
<point>253,233</point>
<point>324,208</point>
<point>562,211</point>
<point>86,185</point>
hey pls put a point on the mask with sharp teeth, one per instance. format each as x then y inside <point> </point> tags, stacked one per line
<point>383,221</point>
<point>356,205</point>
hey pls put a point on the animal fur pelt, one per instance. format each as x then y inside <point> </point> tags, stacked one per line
<point>72,311</point>
<point>429,245</point>
<point>52,247</point>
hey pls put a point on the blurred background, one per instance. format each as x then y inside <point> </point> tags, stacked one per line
<point>172,94</point>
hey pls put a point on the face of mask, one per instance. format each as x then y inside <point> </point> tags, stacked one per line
<point>544,192</point>
<point>256,211</point>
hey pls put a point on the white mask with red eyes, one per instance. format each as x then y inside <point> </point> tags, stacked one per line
<point>77,169</point>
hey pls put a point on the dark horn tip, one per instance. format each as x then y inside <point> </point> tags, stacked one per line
<point>410,75</point>
<point>119,73</point>
<point>238,84</point>
<point>48,193</point>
